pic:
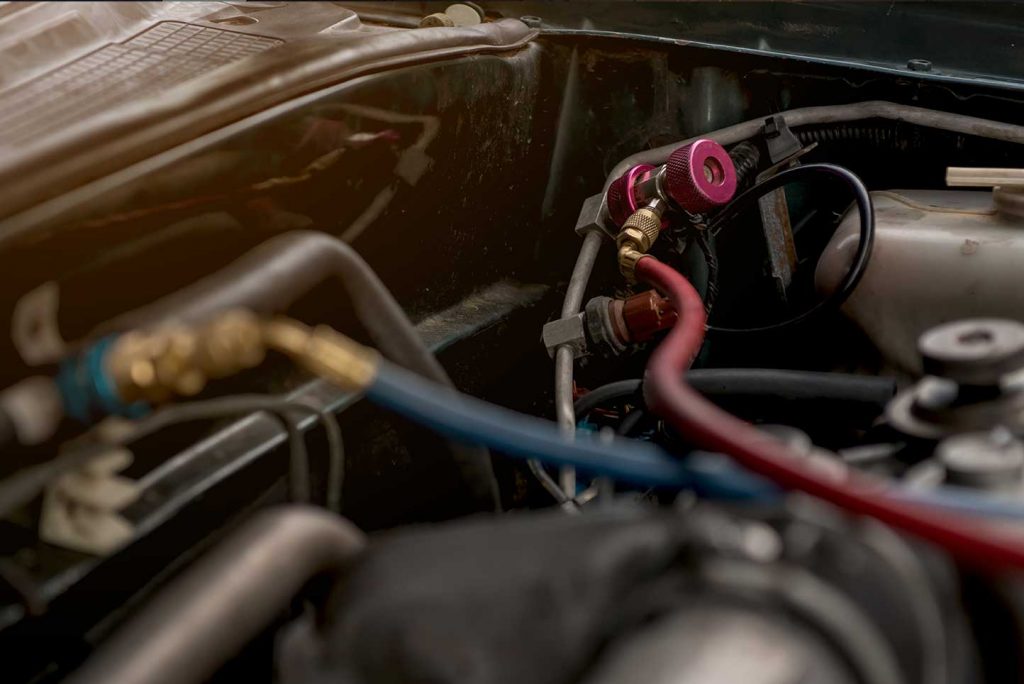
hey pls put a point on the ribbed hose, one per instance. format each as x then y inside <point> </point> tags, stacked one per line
<point>889,137</point>
<point>747,159</point>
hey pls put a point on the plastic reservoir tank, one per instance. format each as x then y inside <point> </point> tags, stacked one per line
<point>939,255</point>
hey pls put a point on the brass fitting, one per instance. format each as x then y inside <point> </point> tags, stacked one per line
<point>637,236</point>
<point>179,360</point>
<point>628,258</point>
<point>324,351</point>
<point>641,229</point>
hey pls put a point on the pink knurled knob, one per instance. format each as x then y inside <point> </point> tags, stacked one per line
<point>621,201</point>
<point>700,176</point>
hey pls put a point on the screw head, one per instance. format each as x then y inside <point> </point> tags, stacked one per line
<point>919,65</point>
<point>975,351</point>
<point>531,21</point>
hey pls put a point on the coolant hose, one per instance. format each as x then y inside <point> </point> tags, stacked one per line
<point>708,427</point>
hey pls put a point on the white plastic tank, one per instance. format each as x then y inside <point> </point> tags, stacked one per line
<point>939,255</point>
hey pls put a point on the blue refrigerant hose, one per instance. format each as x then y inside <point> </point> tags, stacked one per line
<point>462,417</point>
<point>473,420</point>
<point>89,394</point>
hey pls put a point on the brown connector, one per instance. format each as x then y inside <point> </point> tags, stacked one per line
<point>615,324</point>
<point>637,236</point>
<point>647,314</point>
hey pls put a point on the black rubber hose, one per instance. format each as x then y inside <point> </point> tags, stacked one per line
<point>272,276</point>
<point>866,214</point>
<point>764,383</point>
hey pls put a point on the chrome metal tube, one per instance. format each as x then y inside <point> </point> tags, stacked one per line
<point>564,355</point>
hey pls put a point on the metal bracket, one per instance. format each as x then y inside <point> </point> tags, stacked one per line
<point>566,331</point>
<point>781,142</point>
<point>784,150</point>
<point>594,216</point>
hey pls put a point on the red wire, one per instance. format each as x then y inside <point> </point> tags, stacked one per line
<point>708,427</point>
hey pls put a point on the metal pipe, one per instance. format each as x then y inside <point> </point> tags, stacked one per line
<point>570,307</point>
<point>874,109</point>
<point>564,355</point>
<point>204,617</point>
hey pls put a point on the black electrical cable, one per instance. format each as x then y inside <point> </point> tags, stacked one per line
<point>613,391</point>
<point>630,422</point>
<point>703,241</point>
<point>769,383</point>
<point>23,486</point>
<point>335,453</point>
<point>861,257</point>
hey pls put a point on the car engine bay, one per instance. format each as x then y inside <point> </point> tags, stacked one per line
<point>510,342</point>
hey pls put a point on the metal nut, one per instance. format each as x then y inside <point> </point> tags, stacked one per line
<point>642,229</point>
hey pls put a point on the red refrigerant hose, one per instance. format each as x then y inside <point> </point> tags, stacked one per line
<point>707,426</point>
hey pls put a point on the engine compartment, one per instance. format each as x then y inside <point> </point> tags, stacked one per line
<point>463,169</point>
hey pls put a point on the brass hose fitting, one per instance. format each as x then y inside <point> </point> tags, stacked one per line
<point>324,351</point>
<point>628,258</point>
<point>637,236</point>
<point>174,360</point>
<point>177,361</point>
